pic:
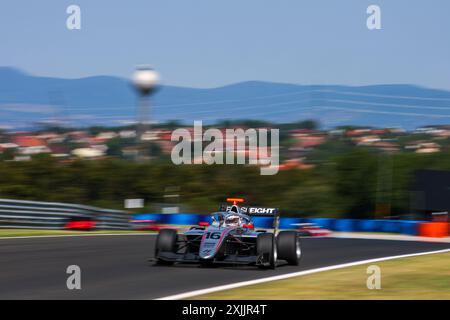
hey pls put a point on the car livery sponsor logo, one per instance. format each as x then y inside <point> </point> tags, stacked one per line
<point>206,251</point>
<point>254,210</point>
<point>259,211</point>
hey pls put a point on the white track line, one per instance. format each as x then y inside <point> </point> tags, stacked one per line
<point>80,235</point>
<point>290,275</point>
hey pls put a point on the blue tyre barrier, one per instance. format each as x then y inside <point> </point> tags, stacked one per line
<point>410,227</point>
<point>344,225</point>
<point>368,226</point>
<point>182,218</point>
<point>147,216</point>
<point>326,223</point>
<point>406,227</point>
<point>263,222</point>
<point>390,226</point>
<point>289,223</point>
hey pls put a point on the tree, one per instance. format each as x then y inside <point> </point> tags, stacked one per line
<point>355,182</point>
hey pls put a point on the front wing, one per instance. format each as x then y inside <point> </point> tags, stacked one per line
<point>259,260</point>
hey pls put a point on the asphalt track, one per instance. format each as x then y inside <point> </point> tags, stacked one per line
<point>116,267</point>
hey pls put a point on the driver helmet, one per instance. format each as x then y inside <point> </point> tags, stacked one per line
<point>232,220</point>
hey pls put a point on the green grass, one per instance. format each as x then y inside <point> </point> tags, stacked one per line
<point>42,232</point>
<point>423,277</point>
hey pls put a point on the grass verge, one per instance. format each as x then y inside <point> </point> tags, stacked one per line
<point>423,277</point>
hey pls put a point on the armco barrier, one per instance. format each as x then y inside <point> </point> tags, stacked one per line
<point>54,215</point>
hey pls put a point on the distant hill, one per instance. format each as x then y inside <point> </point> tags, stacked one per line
<point>108,100</point>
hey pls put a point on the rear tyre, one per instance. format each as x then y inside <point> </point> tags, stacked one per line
<point>266,246</point>
<point>289,249</point>
<point>166,241</point>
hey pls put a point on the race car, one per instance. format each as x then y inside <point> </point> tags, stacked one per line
<point>311,230</point>
<point>230,239</point>
<point>143,224</point>
<point>84,224</point>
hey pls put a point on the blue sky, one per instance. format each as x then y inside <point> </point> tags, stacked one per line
<point>209,43</point>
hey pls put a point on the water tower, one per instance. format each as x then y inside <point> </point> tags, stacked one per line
<point>145,80</point>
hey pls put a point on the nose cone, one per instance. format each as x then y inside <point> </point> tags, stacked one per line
<point>206,253</point>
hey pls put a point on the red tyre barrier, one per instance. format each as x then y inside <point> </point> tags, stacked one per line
<point>434,229</point>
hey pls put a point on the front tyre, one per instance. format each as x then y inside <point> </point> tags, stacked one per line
<point>289,249</point>
<point>166,241</point>
<point>266,246</point>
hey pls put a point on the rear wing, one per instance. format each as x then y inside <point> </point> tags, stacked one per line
<point>255,212</point>
<point>260,211</point>
<point>252,211</point>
